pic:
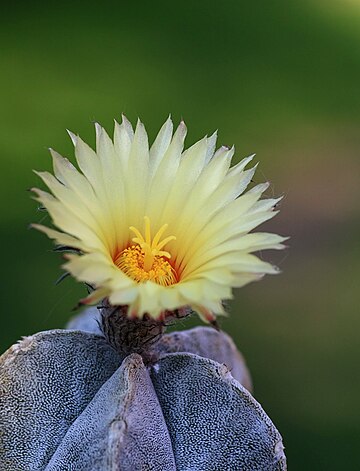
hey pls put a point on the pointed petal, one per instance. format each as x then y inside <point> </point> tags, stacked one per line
<point>160,145</point>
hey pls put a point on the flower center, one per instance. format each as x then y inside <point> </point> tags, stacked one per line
<point>146,261</point>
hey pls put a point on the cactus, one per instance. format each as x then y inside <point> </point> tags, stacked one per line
<point>113,391</point>
<point>69,400</point>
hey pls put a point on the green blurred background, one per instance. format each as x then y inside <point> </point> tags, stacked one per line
<point>277,78</point>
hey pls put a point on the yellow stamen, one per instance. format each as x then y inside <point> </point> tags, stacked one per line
<point>146,261</point>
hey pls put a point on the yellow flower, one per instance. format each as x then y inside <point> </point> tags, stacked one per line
<point>161,228</point>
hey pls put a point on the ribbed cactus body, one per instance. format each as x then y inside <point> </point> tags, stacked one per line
<point>70,401</point>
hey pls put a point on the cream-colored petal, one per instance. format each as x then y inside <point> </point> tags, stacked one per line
<point>120,281</point>
<point>137,181</point>
<point>231,242</point>
<point>208,181</point>
<point>127,126</point>
<point>61,238</point>
<point>92,268</point>
<point>192,291</point>
<point>211,147</point>
<point>124,296</point>
<point>91,166</point>
<point>238,168</point>
<point>191,165</point>
<point>170,298</point>
<point>266,204</point>
<point>234,184</point>
<point>242,279</point>
<point>218,275</point>
<point>234,245</point>
<point>160,146</point>
<point>89,163</point>
<point>95,296</point>
<point>162,182</point>
<point>70,224</point>
<point>208,310</point>
<point>262,241</point>
<point>149,300</point>
<point>67,174</point>
<point>64,170</point>
<point>255,219</point>
<point>229,189</point>
<point>72,203</point>
<point>234,261</point>
<point>203,229</point>
<point>196,291</point>
<point>122,143</point>
<point>114,181</point>
<point>82,190</point>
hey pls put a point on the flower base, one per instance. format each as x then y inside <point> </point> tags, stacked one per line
<point>134,335</point>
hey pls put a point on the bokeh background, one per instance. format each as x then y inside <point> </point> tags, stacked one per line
<point>278,78</point>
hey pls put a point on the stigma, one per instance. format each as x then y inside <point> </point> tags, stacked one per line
<point>145,260</point>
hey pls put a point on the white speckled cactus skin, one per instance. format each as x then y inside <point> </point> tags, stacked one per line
<point>69,401</point>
